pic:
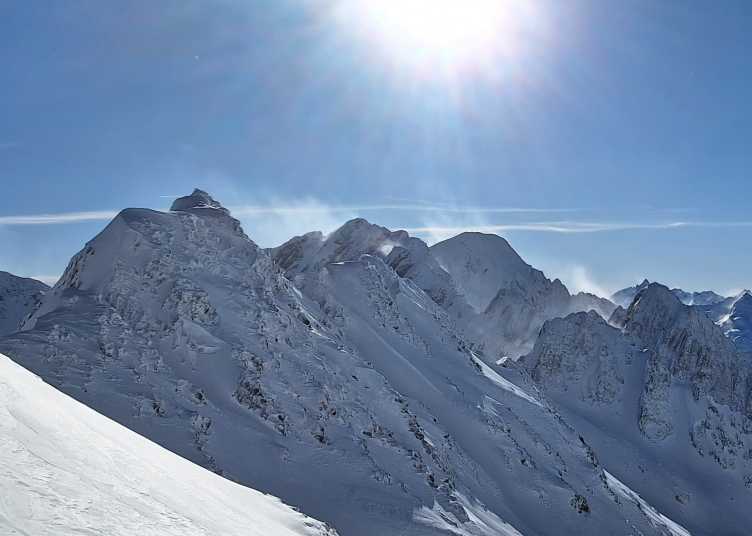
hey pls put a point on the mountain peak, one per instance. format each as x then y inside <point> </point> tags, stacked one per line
<point>199,199</point>
<point>481,265</point>
<point>743,301</point>
<point>655,293</point>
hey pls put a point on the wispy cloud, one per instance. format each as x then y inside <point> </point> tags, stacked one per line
<point>438,232</point>
<point>307,207</point>
<point>59,218</point>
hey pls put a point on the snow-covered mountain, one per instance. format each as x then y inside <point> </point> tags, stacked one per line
<point>497,300</point>
<point>65,469</point>
<point>19,296</point>
<point>511,299</point>
<point>337,380</point>
<point>665,401</point>
<point>733,314</point>
<point>704,298</point>
<point>737,323</point>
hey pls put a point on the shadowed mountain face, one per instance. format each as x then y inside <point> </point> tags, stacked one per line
<point>19,297</point>
<point>666,401</point>
<point>733,314</point>
<point>349,374</point>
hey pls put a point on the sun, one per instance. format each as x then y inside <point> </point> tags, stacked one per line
<point>441,33</point>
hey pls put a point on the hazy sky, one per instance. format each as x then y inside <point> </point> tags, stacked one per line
<point>619,131</point>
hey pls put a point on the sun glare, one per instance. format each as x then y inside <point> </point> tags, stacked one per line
<point>447,32</point>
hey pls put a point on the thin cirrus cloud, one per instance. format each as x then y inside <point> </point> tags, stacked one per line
<point>572,226</point>
<point>59,218</point>
<point>250,210</point>
<point>315,208</point>
<point>259,210</point>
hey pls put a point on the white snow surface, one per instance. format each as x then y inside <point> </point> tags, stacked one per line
<point>67,470</point>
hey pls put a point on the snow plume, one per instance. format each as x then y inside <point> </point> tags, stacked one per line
<point>273,223</point>
<point>578,279</point>
<point>386,247</point>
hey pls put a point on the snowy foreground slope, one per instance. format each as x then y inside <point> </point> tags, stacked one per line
<point>65,470</point>
<point>333,376</point>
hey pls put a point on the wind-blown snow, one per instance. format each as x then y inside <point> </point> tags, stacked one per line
<point>67,470</point>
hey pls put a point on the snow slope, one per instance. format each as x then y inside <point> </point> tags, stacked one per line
<point>65,470</point>
<point>351,394</point>
<point>19,296</point>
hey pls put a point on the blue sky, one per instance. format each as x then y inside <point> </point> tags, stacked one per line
<point>619,132</point>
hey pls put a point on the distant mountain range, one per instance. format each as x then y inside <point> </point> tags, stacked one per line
<point>388,387</point>
<point>732,313</point>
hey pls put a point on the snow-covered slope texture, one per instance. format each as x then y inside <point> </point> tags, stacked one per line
<point>408,256</point>
<point>512,299</point>
<point>665,402</point>
<point>19,296</point>
<point>352,396</point>
<point>498,300</point>
<point>65,470</point>
<point>625,296</point>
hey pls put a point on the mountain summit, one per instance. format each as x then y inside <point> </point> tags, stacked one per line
<point>199,199</point>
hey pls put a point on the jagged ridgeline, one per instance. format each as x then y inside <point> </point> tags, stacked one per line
<point>355,376</point>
